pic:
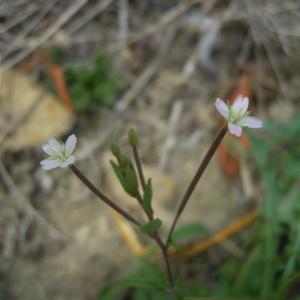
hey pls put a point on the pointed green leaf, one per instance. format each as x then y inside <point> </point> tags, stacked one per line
<point>147,198</point>
<point>151,226</point>
<point>118,172</point>
<point>122,158</point>
<point>127,178</point>
<point>115,149</point>
<point>131,182</point>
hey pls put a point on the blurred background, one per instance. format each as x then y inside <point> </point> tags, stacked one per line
<point>98,67</point>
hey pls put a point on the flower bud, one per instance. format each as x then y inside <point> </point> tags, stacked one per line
<point>132,138</point>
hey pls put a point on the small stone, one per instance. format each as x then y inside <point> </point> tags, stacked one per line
<point>48,119</point>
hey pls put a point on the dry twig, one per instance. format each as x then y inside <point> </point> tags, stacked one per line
<point>23,204</point>
<point>64,18</point>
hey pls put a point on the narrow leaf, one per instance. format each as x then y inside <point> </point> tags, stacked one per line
<point>115,150</point>
<point>118,172</point>
<point>131,182</point>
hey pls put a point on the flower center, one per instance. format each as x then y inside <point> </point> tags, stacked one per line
<point>234,118</point>
<point>60,155</point>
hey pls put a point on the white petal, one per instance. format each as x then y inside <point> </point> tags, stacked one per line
<point>54,143</point>
<point>48,149</point>
<point>235,129</point>
<point>251,122</point>
<point>48,164</point>
<point>56,146</point>
<point>222,108</point>
<point>240,105</point>
<point>71,143</point>
<point>67,162</point>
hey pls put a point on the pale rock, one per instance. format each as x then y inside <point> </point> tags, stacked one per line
<point>48,119</point>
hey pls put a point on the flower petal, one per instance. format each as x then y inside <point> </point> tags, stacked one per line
<point>48,149</point>
<point>222,108</point>
<point>235,129</point>
<point>251,122</point>
<point>56,146</point>
<point>68,162</point>
<point>48,164</point>
<point>71,143</point>
<point>54,143</point>
<point>240,105</point>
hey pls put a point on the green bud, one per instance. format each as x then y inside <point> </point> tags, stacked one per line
<point>133,138</point>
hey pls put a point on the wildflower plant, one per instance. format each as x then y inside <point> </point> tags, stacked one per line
<point>129,173</point>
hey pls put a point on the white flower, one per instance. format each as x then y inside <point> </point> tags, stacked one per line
<point>59,154</point>
<point>237,115</point>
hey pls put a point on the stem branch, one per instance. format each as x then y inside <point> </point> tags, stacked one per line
<point>103,197</point>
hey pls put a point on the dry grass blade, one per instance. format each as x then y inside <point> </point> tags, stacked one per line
<point>23,204</point>
<point>64,18</point>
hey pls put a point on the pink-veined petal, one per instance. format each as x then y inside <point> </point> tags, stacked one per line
<point>251,122</point>
<point>222,108</point>
<point>240,105</point>
<point>48,164</point>
<point>71,143</point>
<point>68,162</point>
<point>235,129</point>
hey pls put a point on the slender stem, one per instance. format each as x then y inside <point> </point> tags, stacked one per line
<point>211,151</point>
<point>148,213</point>
<point>155,236</point>
<point>103,197</point>
<point>165,255</point>
<point>139,167</point>
<point>142,180</point>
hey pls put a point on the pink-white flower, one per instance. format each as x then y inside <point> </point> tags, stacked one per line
<point>237,115</point>
<point>59,154</point>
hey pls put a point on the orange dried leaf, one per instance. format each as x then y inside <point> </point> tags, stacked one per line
<point>60,84</point>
